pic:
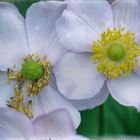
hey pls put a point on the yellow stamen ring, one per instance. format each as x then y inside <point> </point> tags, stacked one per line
<point>116,53</point>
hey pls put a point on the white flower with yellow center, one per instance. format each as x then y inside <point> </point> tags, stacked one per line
<point>29,49</point>
<point>56,125</point>
<point>104,42</point>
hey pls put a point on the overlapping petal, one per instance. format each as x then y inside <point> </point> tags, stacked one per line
<point>93,102</point>
<point>126,14</point>
<point>56,124</point>
<point>13,38</point>
<point>77,77</point>
<point>126,90</point>
<point>82,23</point>
<point>14,125</point>
<point>50,99</point>
<point>40,22</point>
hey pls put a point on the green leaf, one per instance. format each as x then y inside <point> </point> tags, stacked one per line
<point>118,120</point>
<point>89,124</point>
<point>24,5</point>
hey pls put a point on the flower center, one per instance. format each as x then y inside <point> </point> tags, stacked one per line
<point>116,53</point>
<point>33,76</point>
<point>32,70</point>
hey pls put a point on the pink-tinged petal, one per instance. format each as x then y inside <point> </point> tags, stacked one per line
<point>14,125</point>
<point>40,21</point>
<point>126,90</point>
<point>13,38</point>
<point>82,23</point>
<point>56,124</point>
<point>77,77</point>
<point>93,102</point>
<point>126,14</point>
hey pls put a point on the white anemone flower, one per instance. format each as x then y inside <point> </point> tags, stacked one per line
<point>29,84</point>
<point>103,41</point>
<point>56,125</point>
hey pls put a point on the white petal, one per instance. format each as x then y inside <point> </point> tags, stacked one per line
<point>126,14</point>
<point>77,77</point>
<point>6,90</point>
<point>126,90</point>
<point>93,102</point>
<point>82,23</point>
<point>13,41</point>
<point>40,21</point>
<point>137,70</point>
<point>75,34</point>
<point>14,125</point>
<point>49,99</point>
<point>56,124</point>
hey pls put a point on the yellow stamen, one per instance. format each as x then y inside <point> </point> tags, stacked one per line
<point>17,102</point>
<point>33,86</point>
<point>17,76</point>
<point>127,63</point>
<point>36,86</point>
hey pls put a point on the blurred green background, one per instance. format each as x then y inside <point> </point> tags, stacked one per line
<point>115,119</point>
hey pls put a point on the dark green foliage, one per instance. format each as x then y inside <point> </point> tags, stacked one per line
<point>118,120</point>
<point>23,5</point>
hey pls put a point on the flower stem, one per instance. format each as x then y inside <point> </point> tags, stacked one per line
<point>101,120</point>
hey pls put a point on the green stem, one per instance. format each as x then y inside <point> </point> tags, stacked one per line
<point>101,120</point>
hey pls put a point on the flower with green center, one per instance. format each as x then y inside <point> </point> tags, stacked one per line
<point>116,53</point>
<point>104,52</point>
<point>29,49</point>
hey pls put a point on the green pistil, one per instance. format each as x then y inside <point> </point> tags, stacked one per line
<point>32,69</point>
<point>116,52</point>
